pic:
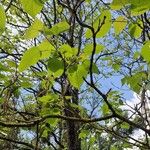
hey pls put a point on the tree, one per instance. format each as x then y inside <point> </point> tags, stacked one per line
<point>57,62</point>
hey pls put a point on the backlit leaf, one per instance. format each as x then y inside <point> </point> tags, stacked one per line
<point>45,49</point>
<point>32,7</point>
<point>138,7</point>
<point>119,24</point>
<point>30,57</point>
<point>57,28</point>
<point>89,48</point>
<point>55,67</point>
<point>76,77</point>
<point>2,20</point>
<point>145,51</point>
<point>104,20</point>
<point>118,4</point>
<point>67,51</point>
<point>34,29</point>
<point>135,30</point>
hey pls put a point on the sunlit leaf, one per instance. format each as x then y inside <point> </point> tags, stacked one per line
<point>76,77</point>
<point>138,7</point>
<point>30,57</point>
<point>118,4</point>
<point>83,134</point>
<point>135,81</point>
<point>145,51</point>
<point>119,24</point>
<point>2,20</point>
<point>45,49</point>
<point>32,7</point>
<point>57,28</point>
<point>125,125</point>
<point>89,48</point>
<point>67,51</point>
<point>104,22</point>
<point>34,29</point>
<point>135,30</point>
<point>55,67</point>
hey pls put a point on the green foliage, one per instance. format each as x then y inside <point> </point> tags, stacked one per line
<point>2,20</point>
<point>135,30</point>
<point>145,51</point>
<point>137,7</point>
<point>32,7</point>
<point>45,49</point>
<point>89,48</point>
<point>67,51</point>
<point>103,22</point>
<point>57,28</point>
<point>76,75</point>
<point>52,84</point>
<point>30,57</point>
<point>119,24</point>
<point>34,29</point>
<point>135,81</point>
<point>34,54</point>
<point>118,4</point>
<point>55,67</point>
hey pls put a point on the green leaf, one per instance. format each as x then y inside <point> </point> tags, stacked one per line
<point>135,81</point>
<point>118,4</point>
<point>107,24</point>
<point>106,17</point>
<point>135,30</point>
<point>138,7</point>
<point>145,51</point>
<point>45,49</point>
<point>25,83</point>
<point>125,125</point>
<point>30,57</point>
<point>32,7</point>
<point>86,65</point>
<point>76,77</point>
<point>34,29</point>
<point>2,20</point>
<point>57,28</point>
<point>49,98</point>
<point>105,109</point>
<point>67,51</point>
<point>55,67</point>
<point>119,24</point>
<point>34,54</point>
<point>89,48</point>
<point>83,134</point>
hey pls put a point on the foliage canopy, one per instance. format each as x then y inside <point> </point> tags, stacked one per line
<point>67,70</point>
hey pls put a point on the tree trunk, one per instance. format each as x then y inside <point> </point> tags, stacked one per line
<point>73,140</point>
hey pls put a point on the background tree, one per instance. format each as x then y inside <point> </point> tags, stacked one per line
<point>64,66</point>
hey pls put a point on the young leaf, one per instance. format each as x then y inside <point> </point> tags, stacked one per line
<point>119,24</point>
<point>57,28</point>
<point>2,20</point>
<point>32,7</point>
<point>45,49</point>
<point>138,8</point>
<point>105,20</point>
<point>107,23</point>
<point>67,51</point>
<point>30,57</point>
<point>145,51</point>
<point>55,67</point>
<point>34,29</point>
<point>118,4</point>
<point>135,30</point>
<point>76,77</point>
<point>89,48</point>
